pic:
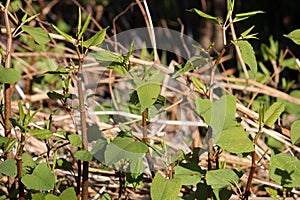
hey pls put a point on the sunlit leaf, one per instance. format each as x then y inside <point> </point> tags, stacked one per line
<point>9,75</point>
<point>38,34</point>
<point>42,178</point>
<point>85,25</point>
<point>207,16</point>
<point>198,84</point>
<point>295,132</point>
<point>248,55</point>
<point>9,167</point>
<point>194,62</point>
<point>188,176</point>
<point>219,115</point>
<point>235,140</point>
<point>245,34</point>
<point>285,170</point>
<point>124,148</point>
<point>222,178</point>
<point>272,192</point>
<point>243,16</point>
<point>273,113</point>
<point>148,94</point>
<point>290,63</point>
<point>294,35</point>
<point>65,35</point>
<point>83,155</point>
<point>41,133</point>
<point>75,140</point>
<point>166,189</point>
<point>67,194</point>
<point>95,39</point>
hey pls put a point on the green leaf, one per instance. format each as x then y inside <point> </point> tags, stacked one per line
<point>39,196</point>
<point>248,55</point>
<point>222,178</point>
<point>290,63</point>
<point>9,75</point>
<point>79,26</point>
<point>28,163</point>
<point>67,194</point>
<point>272,192</point>
<point>95,39</point>
<point>106,57</point>
<point>52,197</point>
<point>38,34</point>
<point>75,140</point>
<point>285,170</point>
<point>166,189</point>
<point>136,167</point>
<point>243,16</point>
<point>188,176</point>
<point>65,35</point>
<point>21,112</point>
<point>9,167</point>
<point>124,148</point>
<point>295,36</point>
<point>219,115</point>
<point>206,16</point>
<point>55,95</point>
<point>106,197</point>
<point>62,163</point>
<point>148,93</point>
<point>85,26</point>
<point>83,155</point>
<point>251,36</point>
<point>199,85</point>
<point>235,140</point>
<point>273,113</point>
<point>99,149</point>
<point>295,132</point>
<point>194,62</point>
<point>41,133</point>
<point>42,178</point>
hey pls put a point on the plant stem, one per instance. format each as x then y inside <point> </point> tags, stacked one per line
<point>8,88</point>
<point>250,178</point>
<point>82,110</point>
<point>19,172</point>
<point>78,179</point>
<point>145,140</point>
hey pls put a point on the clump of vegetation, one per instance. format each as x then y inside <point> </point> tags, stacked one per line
<point>85,115</point>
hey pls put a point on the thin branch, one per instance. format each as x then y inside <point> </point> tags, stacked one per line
<point>238,51</point>
<point>149,24</point>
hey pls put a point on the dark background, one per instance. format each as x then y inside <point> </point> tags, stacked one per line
<point>280,17</point>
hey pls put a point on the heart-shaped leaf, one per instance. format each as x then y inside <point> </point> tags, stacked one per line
<point>166,189</point>
<point>148,93</point>
<point>124,148</point>
<point>285,170</point>
<point>9,167</point>
<point>222,178</point>
<point>42,178</point>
